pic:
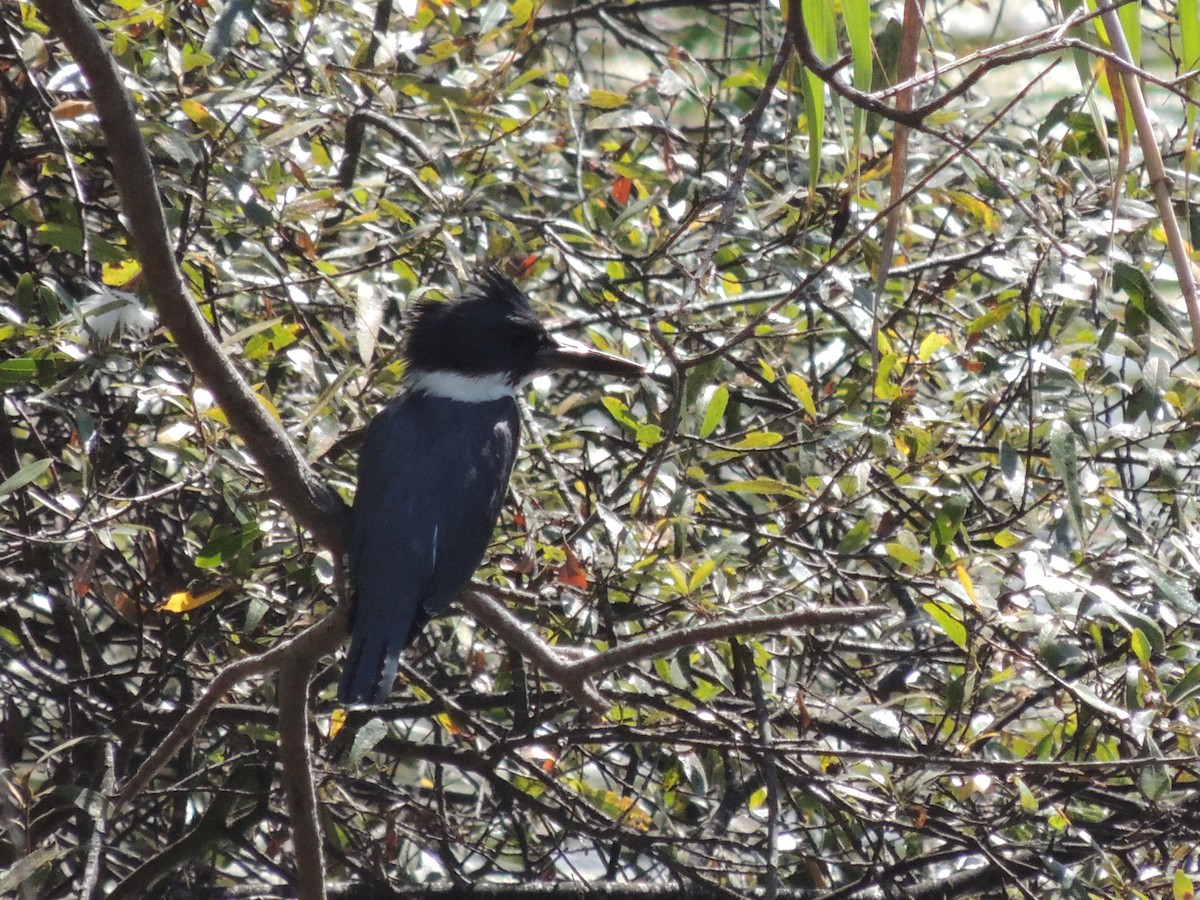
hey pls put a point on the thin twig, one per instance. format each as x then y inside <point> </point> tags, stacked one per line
<point>753,123</point>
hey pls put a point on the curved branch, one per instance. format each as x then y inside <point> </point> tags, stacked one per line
<point>748,626</point>
<point>315,505</point>
<point>312,643</point>
<point>576,675</point>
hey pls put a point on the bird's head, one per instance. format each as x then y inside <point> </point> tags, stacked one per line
<point>483,344</point>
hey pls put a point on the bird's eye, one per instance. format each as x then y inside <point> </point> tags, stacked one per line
<point>524,339</point>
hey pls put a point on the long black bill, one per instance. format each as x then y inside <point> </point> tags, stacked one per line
<point>567,354</point>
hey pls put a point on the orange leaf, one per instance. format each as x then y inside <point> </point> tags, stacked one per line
<point>72,109</point>
<point>572,573</point>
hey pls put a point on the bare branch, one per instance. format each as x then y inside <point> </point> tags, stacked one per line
<point>1160,182</point>
<point>576,675</point>
<point>658,644</point>
<point>314,642</point>
<point>295,673</point>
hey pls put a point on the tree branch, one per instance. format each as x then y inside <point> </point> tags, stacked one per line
<point>576,675</point>
<point>315,505</point>
<point>295,674</point>
<point>1160,182</point>
<point>314,642</point>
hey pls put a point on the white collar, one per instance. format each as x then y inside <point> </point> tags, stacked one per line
<point>463,388</point>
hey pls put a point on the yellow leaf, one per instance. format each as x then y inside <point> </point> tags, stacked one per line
<point>932,343</point>
<point>199,114</point>
<point>185,601</point>
<point>631,813</point>
<point>521,11</point>
<point>965,580</point>
<point>443,50</point>
<point>119,274</point>
<point>337,721</point>
<point>260,392</point>
<point>800,389</point>
<point>884,389</point>
<point>602,99</point>
<point>758,440</point>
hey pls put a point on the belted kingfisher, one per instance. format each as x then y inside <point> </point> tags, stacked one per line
<point>435,464</point>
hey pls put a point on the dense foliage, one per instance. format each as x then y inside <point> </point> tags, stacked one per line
<point>1010,466</point>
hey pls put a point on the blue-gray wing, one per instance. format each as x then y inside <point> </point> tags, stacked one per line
<point>431,477</point>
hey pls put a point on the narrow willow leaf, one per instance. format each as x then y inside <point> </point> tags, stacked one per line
<point>27,473</point>
<point>1185,686</point>
<point>759,486</point>
<point>1065,460</point>
<point>701,575</point>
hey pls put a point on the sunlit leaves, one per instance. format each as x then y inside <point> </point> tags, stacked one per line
<point>1013,477</point>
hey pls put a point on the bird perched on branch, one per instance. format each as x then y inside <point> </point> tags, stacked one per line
<point>435,464</point>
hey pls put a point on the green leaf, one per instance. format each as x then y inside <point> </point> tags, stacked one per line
<point>1186,686</point>
<point>903,554</point>
<point>759,486</point>
<point>990,318</point>
<point>856,538</point>
<point>1154,779</point>
<point>619,411</point>
<point>225,544</point>
<point>16,371</point>
<point>701,575</point>
<point>649,435</point>
<point>1145,296</point>
<point>26,474</point>
<point>1066,466</point>
<point>714,411</point>
<point>953,628</point>
<point>268,342</point>
<point>1130,617</point>
<point>1028,801</point>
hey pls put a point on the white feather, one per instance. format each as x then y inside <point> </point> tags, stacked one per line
<point>464,388</point>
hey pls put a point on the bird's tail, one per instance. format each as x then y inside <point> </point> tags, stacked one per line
<point>372,660</point>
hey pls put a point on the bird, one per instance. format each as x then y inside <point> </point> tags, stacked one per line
<point>434,466</point>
